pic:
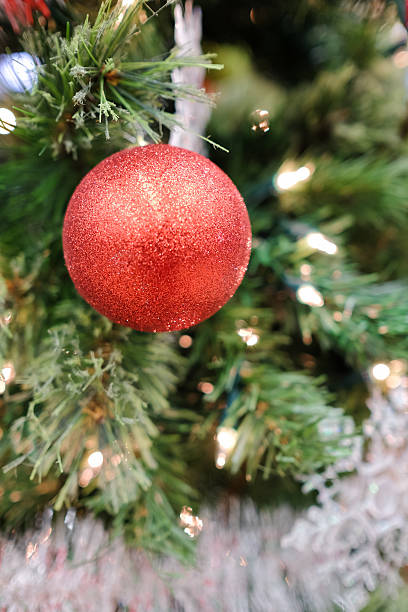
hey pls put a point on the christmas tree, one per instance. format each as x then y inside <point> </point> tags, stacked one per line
<point>159,458</point>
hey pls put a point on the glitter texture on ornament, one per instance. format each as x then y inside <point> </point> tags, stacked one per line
<point>156,238</point>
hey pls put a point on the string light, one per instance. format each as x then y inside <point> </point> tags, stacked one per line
<point>205,387</point>
<point>15,496</point>
<point>185,341</point>
<point>7,121</point>
<point>7,375</point>
<point>305,271</point>
<point>260,120</point>
<point>8,372</point>
<point>317,241</point>
<point>95,460</point>
<point>85,477</point>
<point>400,59</point>
<point>393,381</point>
<point>398,366</point>
<point>220,461</point>
<point>307,294</point>
<point>380,371</point>
<point>226,440</point>
<point>392,373</point>
<point>248,336</point>
<point>116,460</point>
<point>287,179</point>
<point>192,525</point>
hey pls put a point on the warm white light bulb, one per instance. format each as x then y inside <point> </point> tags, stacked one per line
<point>307,294</point>
<point>220,461</point>
<point>227,438</point>
<point>7,121</point>
<point>248,336</point>
<point>7,371</point>
<point>288,179</point>
<point>303,173</point>
<point>252,340</point>
<point>317,241</point>
<point>380,371</point>
<point>95,459</point>
<point>226,441</point>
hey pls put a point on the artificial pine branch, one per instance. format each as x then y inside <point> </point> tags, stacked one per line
<point>105,399</point>
<point>89,86</point>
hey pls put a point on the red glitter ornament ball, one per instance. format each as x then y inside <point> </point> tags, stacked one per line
<point>156,238</point>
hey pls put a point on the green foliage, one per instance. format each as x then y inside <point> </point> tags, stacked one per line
<point>88,85</point>
<point>361,318</point>
<point>381,601</point>
<point>280,418</point>
<point>33,210</point>
<point>102,399</point>
<point>85,385</point>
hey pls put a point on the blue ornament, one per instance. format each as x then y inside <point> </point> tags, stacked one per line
<point>18,72</point>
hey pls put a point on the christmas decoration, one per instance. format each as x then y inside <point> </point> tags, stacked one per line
<point>7,120</point>
<point>18,72</point>
<point>192,116</point>
<point>339,551</point>
<point>238,567</point>
<point>156,238</point>
<point>356,538</point>
<point>21,11</point>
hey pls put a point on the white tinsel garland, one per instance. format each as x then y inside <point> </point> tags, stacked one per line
<point>336,552</point>
<point>193,116</point>
<point>76,569</point>
<point>358,532</point>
